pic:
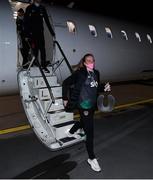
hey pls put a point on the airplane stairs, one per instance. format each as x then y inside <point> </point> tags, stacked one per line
<point>44,108</point>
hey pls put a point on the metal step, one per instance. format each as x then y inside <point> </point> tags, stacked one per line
<point>44,93</point>
<point>57,106</point>
<point>61,129</point>
<point>35,72</point>
<point>66,142</point>
<point>64,124</point>
<point>67,139</point>
<point>60,117</point>
<point>38,82</point>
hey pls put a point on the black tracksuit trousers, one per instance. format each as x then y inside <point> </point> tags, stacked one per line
<point>39,44</point>
<point>86,122</point>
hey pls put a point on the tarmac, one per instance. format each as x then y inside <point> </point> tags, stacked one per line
<point>123,141</point>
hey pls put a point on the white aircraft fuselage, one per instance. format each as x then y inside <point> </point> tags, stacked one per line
<point>117,59</point>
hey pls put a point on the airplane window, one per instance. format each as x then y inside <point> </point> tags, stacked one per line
<point>138,36</point>
<point>108,32</point>
<point>71,27</point>
<point>93,30</point>
<point>15,14</point>
<point>124,35</point>
<point>149,38</point>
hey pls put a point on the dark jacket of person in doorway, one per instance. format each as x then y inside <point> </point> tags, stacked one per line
<point>35,16</point>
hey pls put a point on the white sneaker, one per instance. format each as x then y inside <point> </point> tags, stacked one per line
<point>81,132</point>
<point>69,134</point>
<point>77,136</point>
<point>94,164</point>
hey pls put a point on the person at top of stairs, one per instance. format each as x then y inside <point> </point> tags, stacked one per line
<point>35,15</point>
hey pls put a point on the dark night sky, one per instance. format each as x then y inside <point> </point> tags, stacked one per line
<point>134,11</point>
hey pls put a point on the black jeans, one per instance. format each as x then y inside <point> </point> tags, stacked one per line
<point>24,50</point>
<point>39,44</point>
<point>86,122</point>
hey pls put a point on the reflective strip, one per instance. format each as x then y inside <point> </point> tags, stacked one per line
<point>16,129</point>
<point>25,127</point>
<point>132,104</point>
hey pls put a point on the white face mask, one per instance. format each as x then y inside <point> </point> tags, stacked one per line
<point>37,4</point>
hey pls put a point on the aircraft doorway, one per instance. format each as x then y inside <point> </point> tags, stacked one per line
<point>16,5</point>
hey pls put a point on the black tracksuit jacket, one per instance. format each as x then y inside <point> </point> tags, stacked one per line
<point>33,18</point>
<point>76,81</point>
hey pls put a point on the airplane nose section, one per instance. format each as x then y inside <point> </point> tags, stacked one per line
<point>110,103</point>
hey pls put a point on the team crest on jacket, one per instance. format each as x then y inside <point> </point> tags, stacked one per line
<point>86,113</point>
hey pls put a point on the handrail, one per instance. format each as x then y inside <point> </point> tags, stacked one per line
<point>58,64</point>
<point>43,75</point>
<point>65,58</point>
<point>33,58</point>
<point>46,82</point>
